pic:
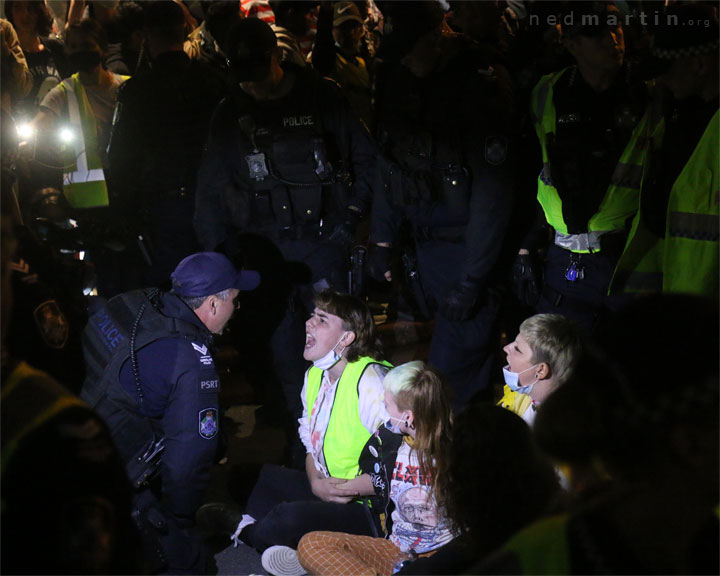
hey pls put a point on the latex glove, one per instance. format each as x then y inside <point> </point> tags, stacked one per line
<point>461,302</point>
<point>378,262</point>
<point>525,279</point>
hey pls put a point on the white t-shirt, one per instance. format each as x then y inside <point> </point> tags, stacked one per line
<point>417,523</point>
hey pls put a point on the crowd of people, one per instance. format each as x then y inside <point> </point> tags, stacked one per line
<point>542,175</point>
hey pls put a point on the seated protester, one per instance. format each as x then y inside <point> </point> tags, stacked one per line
<point>419,410</point>
<point>342,400</point>
<point>654,425</point>
<point>505,485</point>
<point>543,355</point>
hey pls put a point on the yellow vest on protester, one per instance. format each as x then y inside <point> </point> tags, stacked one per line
<point>346,435</point>
<point>30,398</point>
<point>542,547</point>
<point>686,259</point>
<point>83,177</point>
<point>621,198</point>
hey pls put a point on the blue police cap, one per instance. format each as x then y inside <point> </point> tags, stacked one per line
<point>207,273</point>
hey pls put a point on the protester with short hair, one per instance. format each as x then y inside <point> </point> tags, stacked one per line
<point>542,357</point>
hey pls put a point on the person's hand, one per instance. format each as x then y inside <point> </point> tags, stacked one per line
<point>344,233</point>
<point>461,301</point>
<point>379,262</point>
<point>331,490</point>
<point>525,278</point>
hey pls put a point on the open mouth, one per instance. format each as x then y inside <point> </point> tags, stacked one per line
<point>309,341</point>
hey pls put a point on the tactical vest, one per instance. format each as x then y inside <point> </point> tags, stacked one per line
<point>421,169</point>
<point>621,199</point>
<point>30,398</point>
<point>686,259</point>
<point>107,346</point>
<point>294,179</point>
<point>83,177</point>
<point>345,436</point>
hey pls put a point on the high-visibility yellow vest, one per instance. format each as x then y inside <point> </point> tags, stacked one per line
<point>346,435</point>
<point>621,198</point>
<point>30,398</point>
<point>83,177</point>
<point>542,547</point>
<point>686,259</point>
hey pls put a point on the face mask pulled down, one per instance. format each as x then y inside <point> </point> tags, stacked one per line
<point>511,379</point>
<point>331,358</point>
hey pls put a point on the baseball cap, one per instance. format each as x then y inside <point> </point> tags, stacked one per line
<point>685,30</point>
<point>405,23</point>
<point>345,11</point>
<point>207,273</point>
<point>250,46</point>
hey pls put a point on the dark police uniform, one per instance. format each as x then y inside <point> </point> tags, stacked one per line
<point>287,171</point>
<point>168,392</point>
<point>159,130</point>
<point>445,169</point>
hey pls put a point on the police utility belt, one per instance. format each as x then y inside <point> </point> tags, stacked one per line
<point>585,242</point>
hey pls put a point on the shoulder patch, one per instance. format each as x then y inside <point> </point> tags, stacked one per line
<point>52,324</point>
<point>495,150</point>
<point>205,358</point>
<point>208,423</point>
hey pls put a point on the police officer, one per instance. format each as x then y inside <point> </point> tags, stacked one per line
<point>673,243</point>
<point>160,125</point>
<point>584,116</point>
<point>288,163</point>
<point>443,129</point>
<point>152,378</point>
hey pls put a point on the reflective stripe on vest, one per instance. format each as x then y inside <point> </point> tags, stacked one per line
<point>621,198</point>
<point>694,226</point>
<point>30,398</point>
<point>686,259</point>
<point>84,180</point>
<point>346,435</point>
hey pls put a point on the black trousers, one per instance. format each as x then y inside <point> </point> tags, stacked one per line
<point>285,508</point>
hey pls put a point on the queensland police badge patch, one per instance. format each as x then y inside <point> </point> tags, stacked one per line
<point>495,150</point>
<point>208,423</point>
<point>52,324</point>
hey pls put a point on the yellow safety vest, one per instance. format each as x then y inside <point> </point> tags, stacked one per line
<point>29,399</point>
<point>83,177</point>
<point>686,259</point>
<point>542,547</point>
<point>621,199</point>
<point>345,436</point>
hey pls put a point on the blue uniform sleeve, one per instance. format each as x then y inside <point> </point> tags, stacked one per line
<point>180,387</point>
<point>191,426</point>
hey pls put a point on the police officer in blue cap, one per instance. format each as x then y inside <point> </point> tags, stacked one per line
<point>152,378</point>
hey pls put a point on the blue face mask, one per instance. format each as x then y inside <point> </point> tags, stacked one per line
<point>393,427</point>
<point>511,379</point>
<point>331,358</point>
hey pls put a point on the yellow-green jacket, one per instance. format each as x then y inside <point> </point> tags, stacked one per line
<point>621,199</point>
<point>686,259</point>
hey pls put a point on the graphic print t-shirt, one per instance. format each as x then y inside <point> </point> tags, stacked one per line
<point>417,523</point>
